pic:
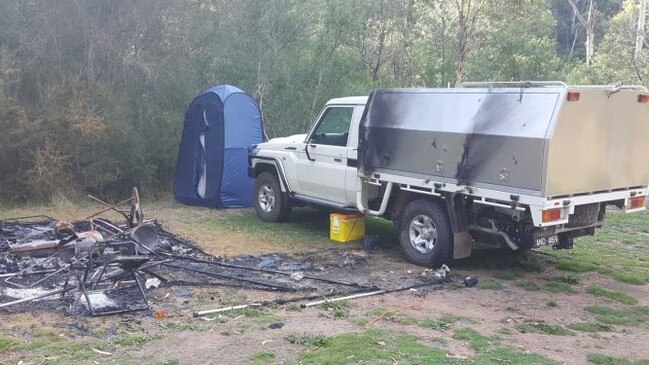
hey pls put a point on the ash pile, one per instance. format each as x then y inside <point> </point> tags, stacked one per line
<point>97,266</point>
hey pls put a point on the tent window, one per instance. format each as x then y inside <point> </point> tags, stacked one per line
<point>201,188</point>
<point>333,128</point>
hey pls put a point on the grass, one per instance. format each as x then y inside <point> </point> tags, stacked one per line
<point>52,348</point>
<point>440,324</point>
<point>558,287</point>
<point>134,340</point>
<point>339,308</point>
<point>613,295</point>
<point>315,340</point>
<point>589,327</point>
<point>632,316</point>
<point>6,343</point>
<point>543,328</point>
<point>529,286</point>
<point>599,359</point>
<point>552,303</point>
<point>475,339</point>
<point>306,226</point>
<point>263,357</point>
<point>571,279</point>
<point>619,250</point>
<point>490,284</point>
<point>380,347</point>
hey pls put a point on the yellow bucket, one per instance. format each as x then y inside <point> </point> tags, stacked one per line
<point>346,227</point>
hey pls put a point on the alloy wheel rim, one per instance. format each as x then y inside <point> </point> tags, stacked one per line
<point>422,233</point>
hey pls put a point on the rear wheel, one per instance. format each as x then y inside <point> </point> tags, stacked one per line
<point>425,233</point>
<point>271,204</point>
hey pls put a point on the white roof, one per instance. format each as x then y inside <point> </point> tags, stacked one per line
<point>353,100</point>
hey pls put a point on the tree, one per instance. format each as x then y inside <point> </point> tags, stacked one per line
<point>640,35</point>
<point>588,22</point>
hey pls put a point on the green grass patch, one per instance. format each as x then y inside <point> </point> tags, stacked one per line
<point>6,343</point>
<point>314,340</point>
<point>529,286</point>
<point>475,339</point>
<point>598,291</point>
<point>558,287</point>
<point>635,278</point>
<point>338,309</point>
<point>306,226</point>
<point>263,357</point>
<point>134,340</point>
<point>626,316</point>
<point>543,328</point>
<point>440,324</point>
<point>589,327</point>
<point>386,315</point>
<point>379,347</point>
<point>56,349</point>
<point>529,262</point>
<point>619,249</point>
<point>552,303</point>
<point>600,359</point>
<point>571,279</point>
<point>490,284</point>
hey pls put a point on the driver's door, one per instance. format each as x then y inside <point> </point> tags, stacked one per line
<point>321,171</point>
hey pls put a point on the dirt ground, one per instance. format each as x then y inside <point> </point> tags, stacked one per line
<point>530,307</point>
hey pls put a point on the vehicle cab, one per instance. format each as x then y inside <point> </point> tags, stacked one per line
<point>318,167</point>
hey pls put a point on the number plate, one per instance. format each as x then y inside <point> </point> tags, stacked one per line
<point>550,240</point>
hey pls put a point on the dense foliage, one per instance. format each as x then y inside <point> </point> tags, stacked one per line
<point>93,92</point>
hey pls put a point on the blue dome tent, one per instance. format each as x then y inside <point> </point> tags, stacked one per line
<point>220,125</point>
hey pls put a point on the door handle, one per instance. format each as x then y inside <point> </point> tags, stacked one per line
<point>306,150</point>
<point>290,148</point>
<point>338,159</point>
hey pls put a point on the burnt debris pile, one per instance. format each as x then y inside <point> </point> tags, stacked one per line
<point>97,266</point>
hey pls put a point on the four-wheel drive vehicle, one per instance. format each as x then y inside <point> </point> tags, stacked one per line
<point>514,165</point>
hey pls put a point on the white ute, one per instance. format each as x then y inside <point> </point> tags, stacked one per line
<point>511,165</point>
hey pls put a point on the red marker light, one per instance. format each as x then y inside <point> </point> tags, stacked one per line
<point>635,203</point>
<point>551,215</point>
<point>643,98</point>
<point>573,96</point>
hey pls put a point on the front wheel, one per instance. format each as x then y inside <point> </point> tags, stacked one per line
<point>270,204</point>
<point>425,233</point>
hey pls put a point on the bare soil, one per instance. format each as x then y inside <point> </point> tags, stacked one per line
<point>235,338</point>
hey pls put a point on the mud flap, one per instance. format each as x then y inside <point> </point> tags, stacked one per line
<point>462,241</point>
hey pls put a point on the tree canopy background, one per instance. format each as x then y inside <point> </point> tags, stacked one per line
<point>93,92</point>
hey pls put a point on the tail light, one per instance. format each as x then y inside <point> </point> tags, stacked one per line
<point>643,98</point>
<point>573,96</point>
<point>637,202</point>
<point>551,215</point>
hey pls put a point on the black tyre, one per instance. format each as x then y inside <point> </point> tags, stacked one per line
<point>425,233</point>
<point>271,204</point>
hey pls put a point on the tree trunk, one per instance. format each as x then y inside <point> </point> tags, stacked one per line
<point>640,35</point>
<point>590,35</point>
<point>589,24</point>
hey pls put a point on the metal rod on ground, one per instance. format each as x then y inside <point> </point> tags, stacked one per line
<point>27,273</point>
<point>233,266</point>
<point>363,295</point>
<point>225,309</point>
<point>275,301</point>
<point>255,282</point>
<point>48,294</point>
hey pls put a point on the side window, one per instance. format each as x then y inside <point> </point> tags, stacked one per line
<point>333,128</point>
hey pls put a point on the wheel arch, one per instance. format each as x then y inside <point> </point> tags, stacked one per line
<point>263,164</point>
